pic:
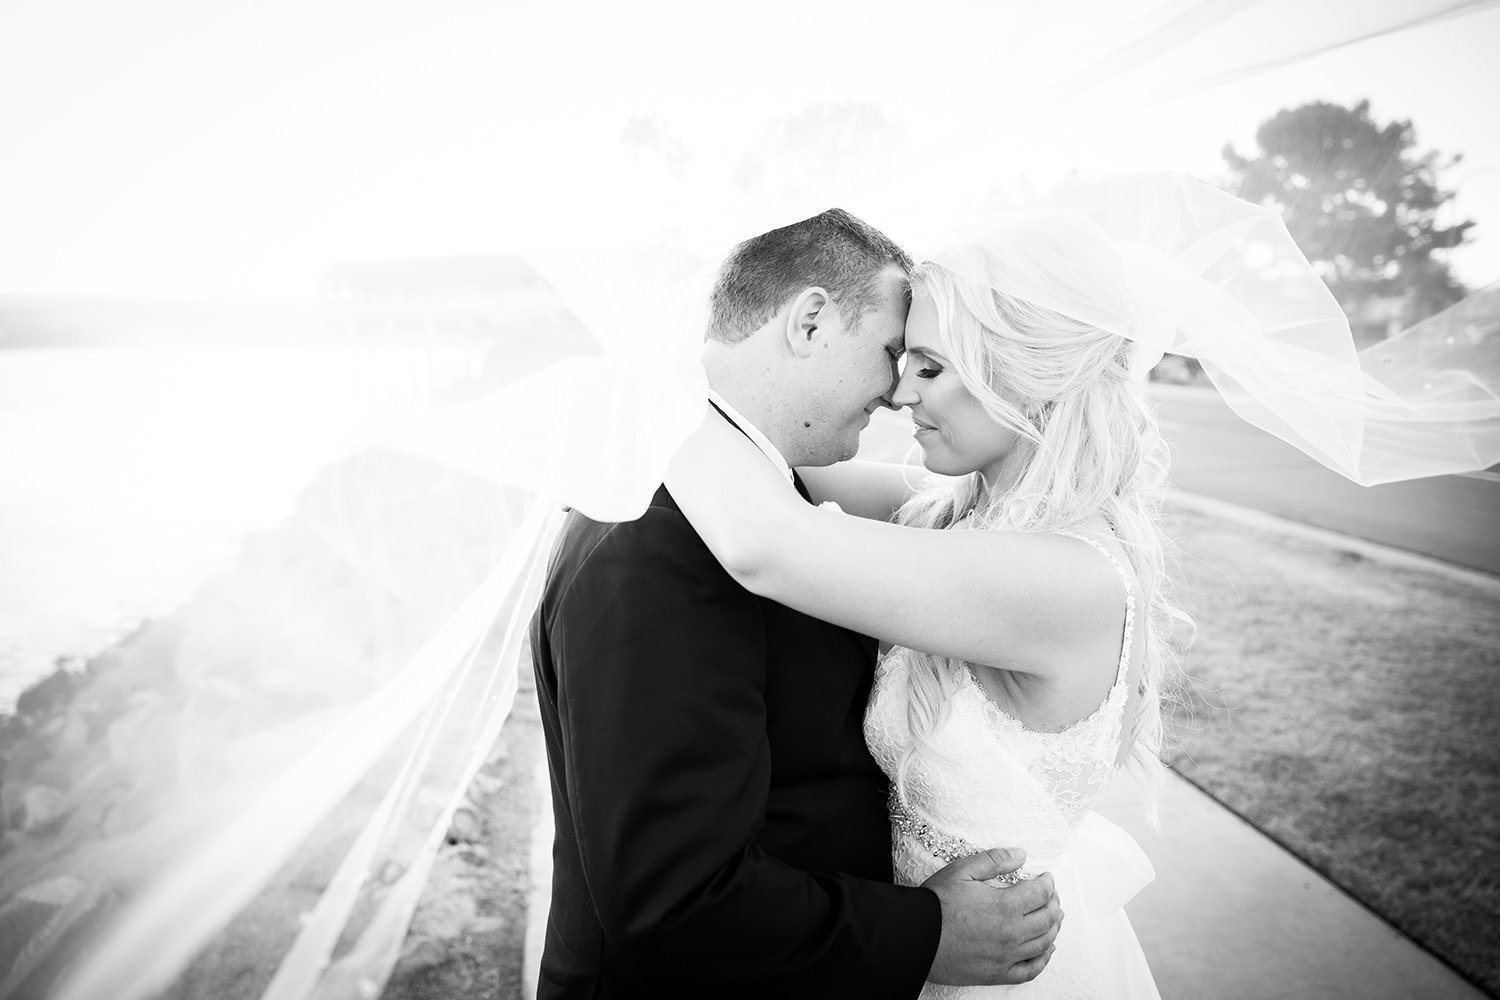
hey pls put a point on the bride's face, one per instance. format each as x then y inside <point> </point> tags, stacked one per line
<point>957,435</point>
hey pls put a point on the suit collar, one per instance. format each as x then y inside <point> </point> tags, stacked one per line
<point>753,433</point>
<point>728,413</point>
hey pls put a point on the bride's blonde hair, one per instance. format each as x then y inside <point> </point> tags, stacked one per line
<point>1090,445</point>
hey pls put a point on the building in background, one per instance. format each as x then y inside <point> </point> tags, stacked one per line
<point>436,322</point>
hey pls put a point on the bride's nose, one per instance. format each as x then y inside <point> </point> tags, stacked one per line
<point>905,393</point>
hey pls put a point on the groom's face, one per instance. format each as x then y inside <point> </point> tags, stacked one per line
<point>858,371</point>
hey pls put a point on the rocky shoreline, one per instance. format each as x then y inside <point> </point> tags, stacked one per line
<point>98,761</point>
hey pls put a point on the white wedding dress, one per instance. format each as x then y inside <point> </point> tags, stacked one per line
<point>999,784</point>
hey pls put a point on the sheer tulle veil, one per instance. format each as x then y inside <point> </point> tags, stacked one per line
<point>347,798</point>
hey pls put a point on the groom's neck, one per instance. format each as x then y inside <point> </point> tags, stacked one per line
<point>756,401</point>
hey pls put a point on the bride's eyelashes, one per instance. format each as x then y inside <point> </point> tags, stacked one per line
<point>929,368</point>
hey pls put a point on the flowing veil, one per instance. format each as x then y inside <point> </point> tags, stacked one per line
<point>300,773</point>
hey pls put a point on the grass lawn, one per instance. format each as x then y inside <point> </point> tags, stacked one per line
<point>1349,709</point>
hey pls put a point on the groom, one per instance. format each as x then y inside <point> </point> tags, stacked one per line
<point>721,827</point>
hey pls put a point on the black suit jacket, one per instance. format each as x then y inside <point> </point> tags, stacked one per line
<point>721,827</point>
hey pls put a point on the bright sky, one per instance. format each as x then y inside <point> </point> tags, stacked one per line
<point>181,146</point>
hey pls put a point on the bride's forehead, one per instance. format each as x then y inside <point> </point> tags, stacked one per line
<point>921,323</point>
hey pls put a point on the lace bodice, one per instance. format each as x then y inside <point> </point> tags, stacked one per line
<point>993,782</point>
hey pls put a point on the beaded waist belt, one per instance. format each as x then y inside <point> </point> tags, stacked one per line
<point>940,845</point>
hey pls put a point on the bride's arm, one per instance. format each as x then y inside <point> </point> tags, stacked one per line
<point>1008,599</point>
<point>865,489</point>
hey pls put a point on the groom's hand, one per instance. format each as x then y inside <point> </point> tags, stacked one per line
<point>993,935</point>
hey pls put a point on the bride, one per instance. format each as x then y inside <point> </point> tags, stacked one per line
<point>1021,588</point>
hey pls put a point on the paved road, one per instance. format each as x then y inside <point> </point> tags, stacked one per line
<point>1453,518</point>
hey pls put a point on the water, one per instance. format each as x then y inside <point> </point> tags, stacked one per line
<point>128,475</point>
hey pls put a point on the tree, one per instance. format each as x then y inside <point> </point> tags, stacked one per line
<point>839,146</point>
<point>1360,201</point>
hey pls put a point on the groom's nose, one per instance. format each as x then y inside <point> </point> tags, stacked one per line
<point>887,399</point>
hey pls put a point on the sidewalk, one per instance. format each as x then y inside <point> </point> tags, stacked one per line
<point>1233,916</point>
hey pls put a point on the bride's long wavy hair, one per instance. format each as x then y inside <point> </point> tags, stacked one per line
<point>1091,447</point>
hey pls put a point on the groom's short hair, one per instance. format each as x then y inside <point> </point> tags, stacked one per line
<point>833,250</point>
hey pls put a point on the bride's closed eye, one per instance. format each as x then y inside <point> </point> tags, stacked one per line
<point>928,367</point>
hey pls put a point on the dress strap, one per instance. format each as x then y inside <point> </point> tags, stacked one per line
<point>1125,643</point>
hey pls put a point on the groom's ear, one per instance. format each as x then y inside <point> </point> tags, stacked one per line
<point>810,310</point>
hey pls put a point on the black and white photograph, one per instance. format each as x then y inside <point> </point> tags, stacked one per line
<point>505,500</point>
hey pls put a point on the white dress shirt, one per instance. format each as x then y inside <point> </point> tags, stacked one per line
<point>753,433</point>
